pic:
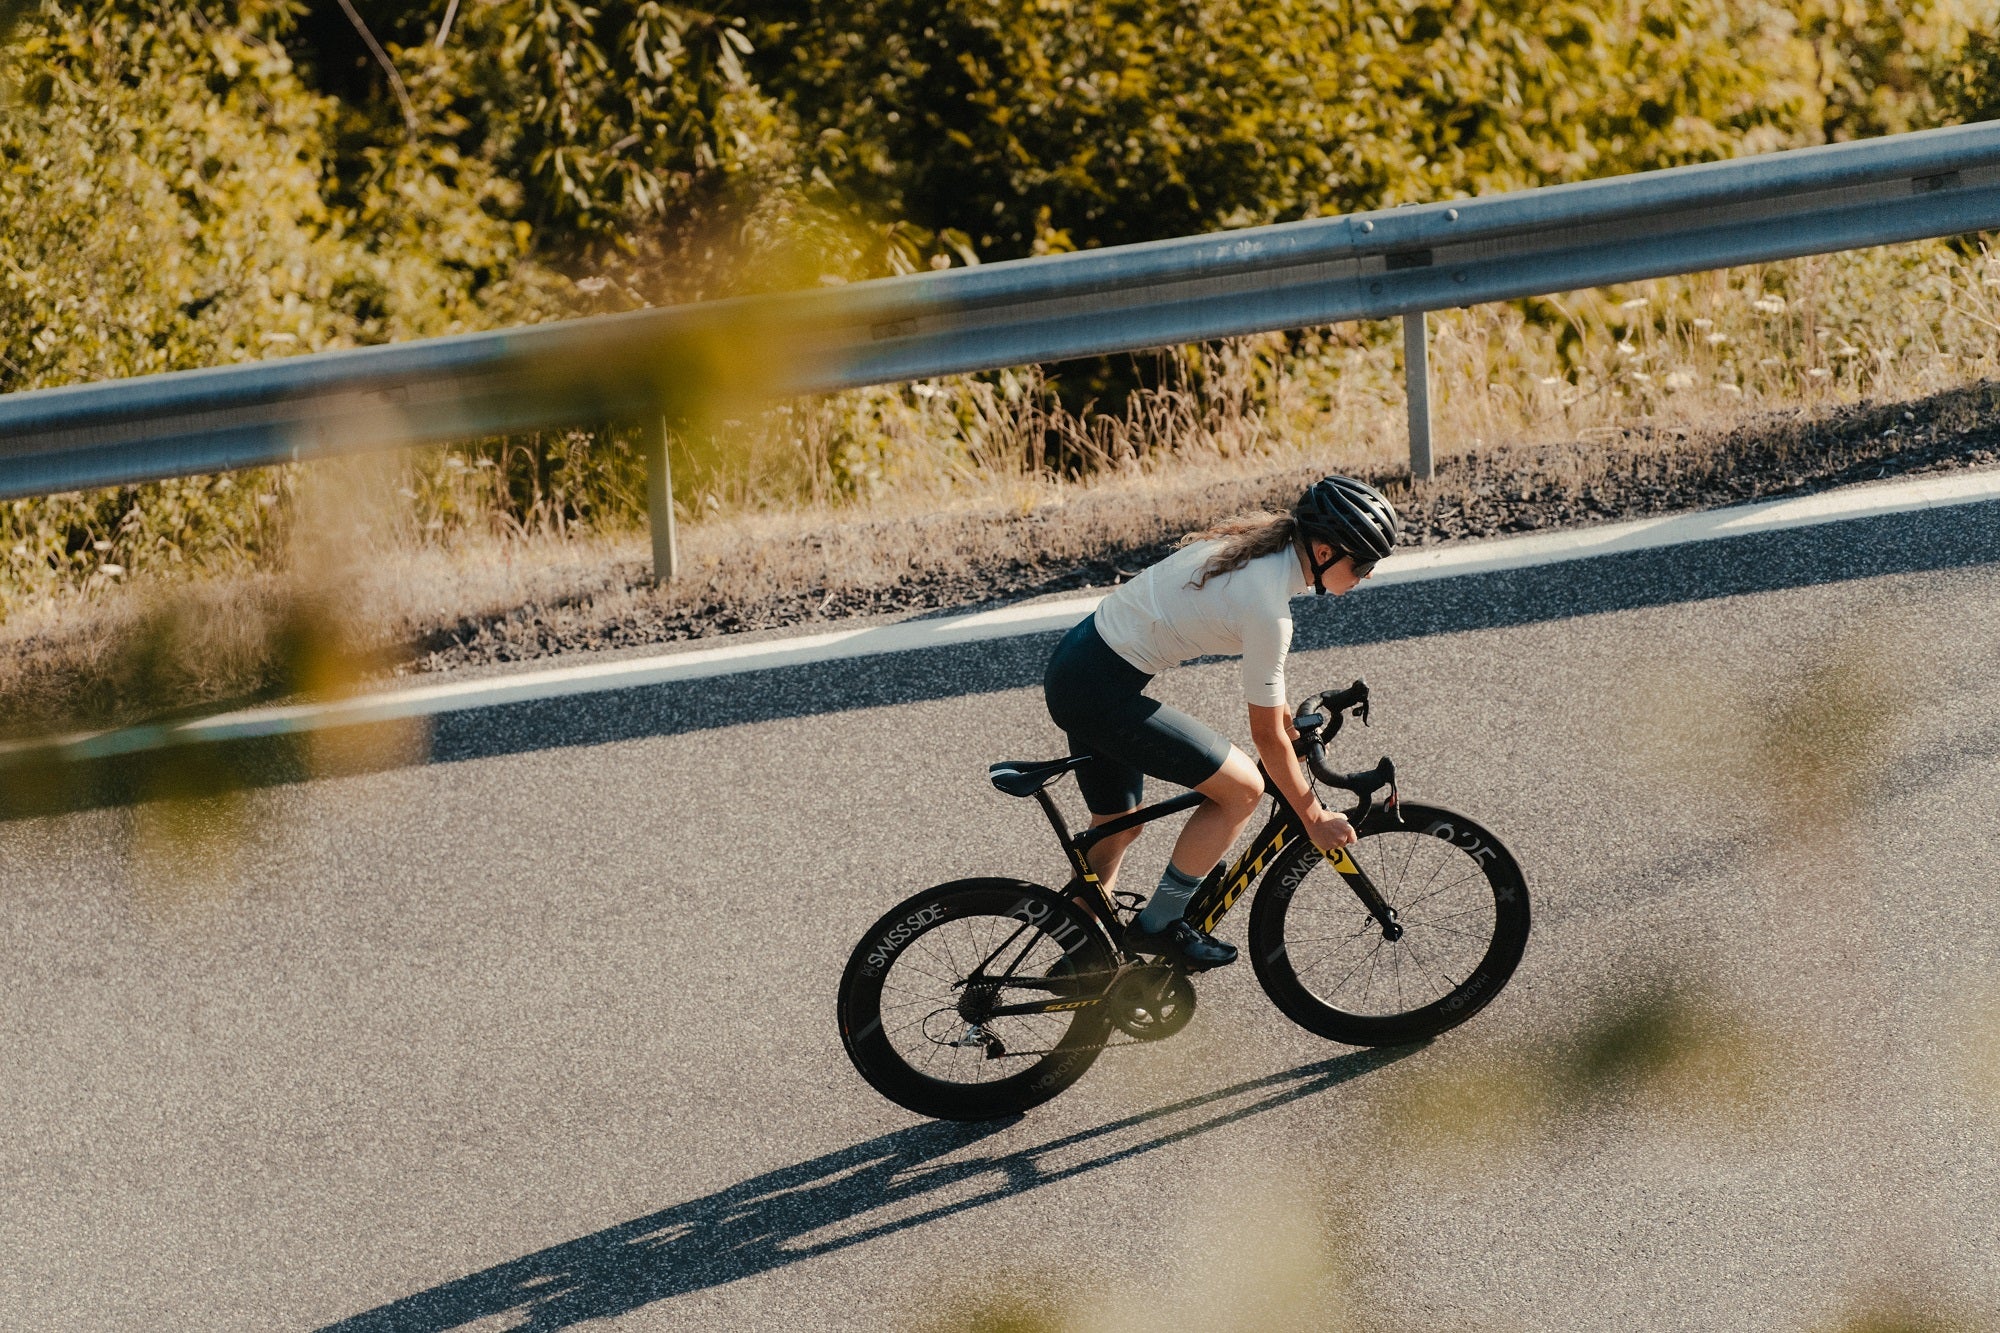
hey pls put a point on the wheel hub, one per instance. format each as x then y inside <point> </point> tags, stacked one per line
<point>977,1003</point>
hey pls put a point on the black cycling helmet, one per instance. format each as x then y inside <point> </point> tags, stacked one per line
<point>1350,516</point>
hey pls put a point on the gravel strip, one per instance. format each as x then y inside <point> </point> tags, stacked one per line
<point>1488,494</point>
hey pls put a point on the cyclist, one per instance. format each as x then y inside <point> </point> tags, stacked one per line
<point>1226,591</point>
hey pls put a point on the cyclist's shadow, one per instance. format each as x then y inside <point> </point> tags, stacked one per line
<point>815,1207</point>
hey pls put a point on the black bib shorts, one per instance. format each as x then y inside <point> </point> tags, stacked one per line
<point>1097,697</point>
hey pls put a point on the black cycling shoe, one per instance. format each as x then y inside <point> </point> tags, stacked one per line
<point>1185,942</point>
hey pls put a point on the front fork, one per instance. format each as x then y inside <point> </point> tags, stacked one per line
<point>1364,889</point>
<point>1220,893</point>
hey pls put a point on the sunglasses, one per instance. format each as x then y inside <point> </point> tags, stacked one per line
<point>1362,568</point>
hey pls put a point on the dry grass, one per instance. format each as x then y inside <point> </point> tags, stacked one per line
<point>949,491</point>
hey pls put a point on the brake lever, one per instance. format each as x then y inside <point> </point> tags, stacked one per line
<point>1353,699</point>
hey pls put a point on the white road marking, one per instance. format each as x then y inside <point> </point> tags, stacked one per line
<point>724,659</point>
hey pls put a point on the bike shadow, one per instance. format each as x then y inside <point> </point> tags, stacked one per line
<point>908,1177</point>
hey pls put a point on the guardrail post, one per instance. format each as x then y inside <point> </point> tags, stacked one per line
<point>1417,375</point>
<point>660,499</point>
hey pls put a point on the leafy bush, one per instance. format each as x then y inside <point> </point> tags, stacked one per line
<point>1036,126</point>
<point>164,176</point>
<point>225,180</point>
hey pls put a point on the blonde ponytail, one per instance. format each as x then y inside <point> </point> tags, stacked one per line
<point>1244,538</point>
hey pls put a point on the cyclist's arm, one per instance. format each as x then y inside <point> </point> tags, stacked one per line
<point>1272,730</point>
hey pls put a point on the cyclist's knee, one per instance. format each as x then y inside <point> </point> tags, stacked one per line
<point>1242,802</point>
<point>1236,786</point>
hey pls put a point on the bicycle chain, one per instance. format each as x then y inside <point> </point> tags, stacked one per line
<point>1068,1050</point>
<point>1114,974</point>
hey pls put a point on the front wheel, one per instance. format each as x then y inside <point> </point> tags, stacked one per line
<point>977,999</point>
<point>1460,903</point>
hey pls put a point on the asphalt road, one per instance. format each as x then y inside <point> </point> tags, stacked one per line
<point>540,1032</point>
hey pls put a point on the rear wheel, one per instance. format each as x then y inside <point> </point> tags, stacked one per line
<point>1459,900</point>
<point>923,1003</point>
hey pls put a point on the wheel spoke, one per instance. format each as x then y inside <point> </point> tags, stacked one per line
<point>1368,957</point>
<point>932,1001</point>
<point>1480,909</point>
<point>1408,857</point>
<point>1435,872</point>
<point>1449,930</point>
<point>949,982</point>
<point>1443,899</point>
<point>1443,888</point>
<point>1417,957</point>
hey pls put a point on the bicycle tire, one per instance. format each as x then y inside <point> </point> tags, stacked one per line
<point>1460,898</point>
<point>920,952</point>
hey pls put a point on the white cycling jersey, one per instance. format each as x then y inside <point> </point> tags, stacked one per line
<point>1160,619</point>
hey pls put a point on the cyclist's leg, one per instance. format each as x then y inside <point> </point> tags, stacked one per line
<point>1111,788</point>
<point>1097,698</point>
<point>1233,793</point>
<point>1108,855</point>
<point>1166,742</point>
<point>1087,683</point>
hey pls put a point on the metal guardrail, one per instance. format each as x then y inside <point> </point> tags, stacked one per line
<point>1403,261</point>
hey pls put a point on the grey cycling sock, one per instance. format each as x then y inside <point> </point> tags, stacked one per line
<point>1169,901</point>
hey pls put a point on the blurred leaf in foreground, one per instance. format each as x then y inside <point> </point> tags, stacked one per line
<point>1264,1263</point>
<point>1821,734</point>
<point>1667,1043</point>
<point>1796,739</point>
<point>191,652</point>
<point>189,827</point>
<point>1904,1312</point>
<point>1660,1045</point>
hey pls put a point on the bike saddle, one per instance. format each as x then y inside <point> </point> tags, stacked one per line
<point>1024,777</point>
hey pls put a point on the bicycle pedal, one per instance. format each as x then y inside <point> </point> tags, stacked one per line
<point>1184,946</point>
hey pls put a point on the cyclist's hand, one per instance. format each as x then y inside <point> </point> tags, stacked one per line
<point>1329,829</point>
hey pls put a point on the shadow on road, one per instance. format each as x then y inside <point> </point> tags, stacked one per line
<point>1962,536</point>
<point>830,1203</point>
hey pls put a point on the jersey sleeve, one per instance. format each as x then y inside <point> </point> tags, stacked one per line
<point>1266,640</point>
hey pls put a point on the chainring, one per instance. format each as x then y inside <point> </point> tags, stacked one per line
<point>1151,1003</point>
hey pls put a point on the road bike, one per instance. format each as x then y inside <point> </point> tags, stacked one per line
<point>981,998</point>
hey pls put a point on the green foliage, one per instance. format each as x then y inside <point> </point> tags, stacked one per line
<point>1968,81</point>
<point>1054,123</point>
<point>164,176</point>
<point>168,206</point>
<point>224,180</point>
<point>607,118</point>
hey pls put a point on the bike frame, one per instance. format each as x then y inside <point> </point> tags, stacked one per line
<point>1224,886</point>
<point>1218,893</point>
<point>1227,883</point>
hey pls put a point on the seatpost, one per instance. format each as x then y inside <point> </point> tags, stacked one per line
<point>1055,816</point>
<point>1077,862</point>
